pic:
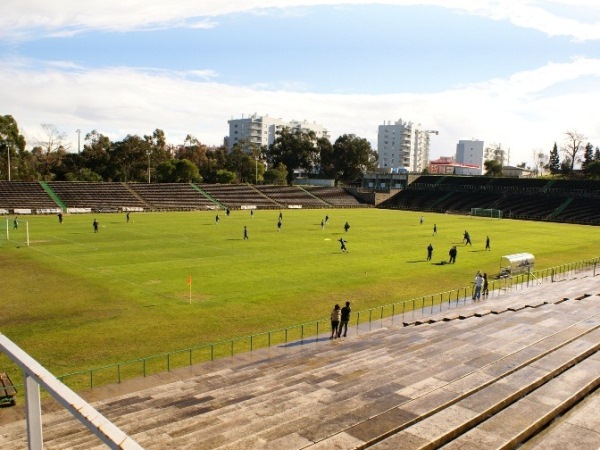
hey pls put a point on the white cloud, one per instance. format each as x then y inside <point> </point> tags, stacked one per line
<point>523,112</point>
<point>23,18</point>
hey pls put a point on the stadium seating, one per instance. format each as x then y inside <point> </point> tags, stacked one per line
<point>291,195</point>
<point>537,199</point>
<point>235,196</point>
<point>24,194</point>
<point>172,196</point>
<point>97,196</point>
<point>335,196</point>
<point>488,374</point>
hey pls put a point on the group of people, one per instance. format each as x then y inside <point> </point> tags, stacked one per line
<point>339,320</point>
<point>480,286</point>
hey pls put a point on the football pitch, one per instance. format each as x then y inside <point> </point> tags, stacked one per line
<point>75,299</point>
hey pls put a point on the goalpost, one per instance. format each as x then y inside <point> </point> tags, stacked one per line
<point>483,212</point>
<point>10,225</point>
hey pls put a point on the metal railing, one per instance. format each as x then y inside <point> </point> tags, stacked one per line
<point>416,307</point>
<point>35,375</point>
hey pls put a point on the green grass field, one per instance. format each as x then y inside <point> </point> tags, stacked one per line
<point>75,299</point>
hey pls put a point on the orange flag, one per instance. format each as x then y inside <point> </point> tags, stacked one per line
<point>189,280</point>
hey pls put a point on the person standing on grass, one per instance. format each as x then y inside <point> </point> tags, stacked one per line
<point>217,219</point>
<point>127,217</point>
<point>434,229</point>
<point>421,220</point>
<point>16,224</point>
<point>429,252</point>
<point>487,243</point>
<point>468,239</point>
<point>279,225</point>
<point>336,315</point>
<point>280,216</point>
<point>344,319</point>
<point>346,227</point>
<point>95,224</point>
<point>245,232</point>
<point>60,217</point>
<point>343,245</point>
<point>452,254</point>
<point>322,225</point>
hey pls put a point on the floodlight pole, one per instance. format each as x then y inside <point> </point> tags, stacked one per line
<point>148,153</point>
<point>78,140</point>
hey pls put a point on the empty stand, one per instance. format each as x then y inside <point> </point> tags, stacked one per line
<point>97,196</point>
<point>172,196</point>
<point>24,194</point>
<point>238,195</point>
<point>291,195</point>
<point>335,196</point>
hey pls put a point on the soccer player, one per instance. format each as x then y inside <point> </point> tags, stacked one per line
<point>346,227</point>
<point>429,252</point>
<point>343,245</point>
<point>245,232</point>
<point>96,225</point>
<point>487,243</point>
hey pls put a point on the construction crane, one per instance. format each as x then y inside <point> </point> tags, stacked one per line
<point>432,131</point>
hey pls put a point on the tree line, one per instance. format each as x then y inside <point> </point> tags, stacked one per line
<point>150,158</point>
<point>574,151</point>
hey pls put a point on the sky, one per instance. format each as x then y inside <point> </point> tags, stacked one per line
<point>518,73</point>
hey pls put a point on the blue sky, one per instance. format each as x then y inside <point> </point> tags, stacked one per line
<point>516,73</point>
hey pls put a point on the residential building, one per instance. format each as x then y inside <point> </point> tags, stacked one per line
<point>394,144</point>
<point>261,130</point>
<point>403,145</point>
<point>469,153</point>
<point>446,165</point>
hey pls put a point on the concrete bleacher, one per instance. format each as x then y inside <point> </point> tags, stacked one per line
<point>291,195</point>
<point>236,196</point>
<point>24,194</point>
<point>96,195</point>
<point>335,196</point>
<point>487,374</point>
<point>172,196</point>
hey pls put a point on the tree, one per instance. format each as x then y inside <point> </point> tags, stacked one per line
<point>276,175</point>
<point>49,151</point>
<point>129,160</point>
<point>349,158</point>
<point>186,172</point>
<point>554,160</point>
<point>588,156</point>
<point>597,154</point>
<point>495,152</point>
<point>12,148</point>
<point>493,168</point>
<point>572,147</point>
<point>96,153</point>
<point>296,149</point>
<point>593,170</point>
<point>540,160</point>
<point>225,176</point>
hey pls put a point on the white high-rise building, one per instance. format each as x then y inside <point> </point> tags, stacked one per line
<point>261,130</point>
<point>403,145</point>
<point>470,152</point>
<point>394,144</point>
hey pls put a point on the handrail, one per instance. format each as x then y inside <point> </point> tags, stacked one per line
<point>35,375</point>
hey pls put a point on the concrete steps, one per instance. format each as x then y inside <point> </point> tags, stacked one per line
<point>421,386</point>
